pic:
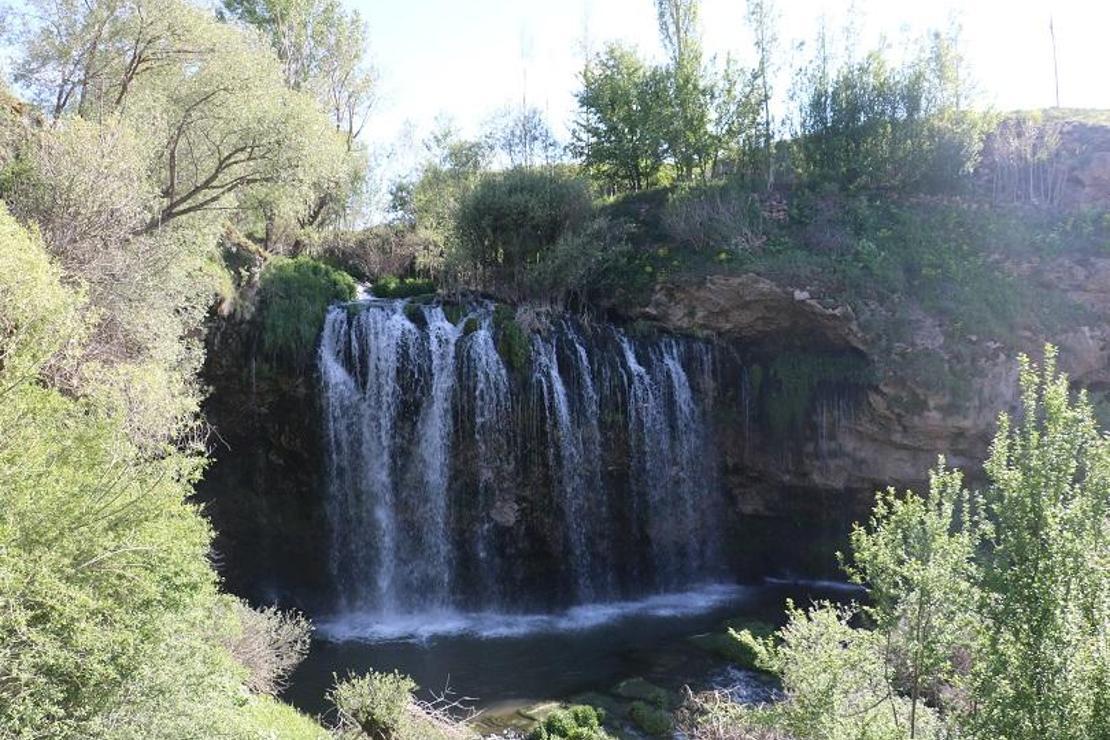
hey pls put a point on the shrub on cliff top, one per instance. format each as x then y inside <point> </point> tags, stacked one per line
<point>293,297</point>
<point>511,219</point>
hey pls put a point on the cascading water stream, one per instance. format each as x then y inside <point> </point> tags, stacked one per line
<point>460,481</point>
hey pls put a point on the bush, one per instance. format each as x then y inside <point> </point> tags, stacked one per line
<point>874,124</point>
<point>386,249</point>
<point>512,218</point>
<point>111,623</point>
<point>382,706</point>
<point>390,286</point>
<point>579,722</point>
<point>716,218</point>
<point>376,703</point>
<point>585,265</point>
<point>294,294</point>
<point>269,644</point>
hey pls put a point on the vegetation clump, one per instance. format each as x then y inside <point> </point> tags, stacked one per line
<point>578,722</point>
<point>793,378</point>
<point>987,614</point>
<point>294,295</point>
<point>511,340</point>
<point>390,286</point>
<point>383,706</point>
<point>651,719</point>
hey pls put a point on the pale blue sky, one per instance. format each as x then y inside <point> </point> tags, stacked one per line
<point>468,58</point>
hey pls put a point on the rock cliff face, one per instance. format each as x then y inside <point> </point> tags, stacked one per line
<point>938,397</point>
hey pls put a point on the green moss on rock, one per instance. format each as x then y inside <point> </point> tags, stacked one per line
<point>513,343</point>
<point>650,719</point>
<point>640,689</point>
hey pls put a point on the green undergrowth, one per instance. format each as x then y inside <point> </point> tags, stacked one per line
<point>294,295</point>
<point>578,722</point>
<point>652,720</point>
<point>958,259</point>
<point>391,286</point>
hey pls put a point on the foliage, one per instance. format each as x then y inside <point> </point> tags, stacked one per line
<point>652,720</point>
<point>390,286</point>
<point>512,216</point>
<point>525,139</point>
<point>382,706</point>
<point>988,616</point>
<point>512,341</point>
<point>917,557</point>
<point>581,266</point>
<point>1022,158</point>
<point>218,124</point>
<point>293,297</point>
<point>376,703</point>
<point>385,249</point>
<point>322,49</point>
<point>429,203</point>
<point>870,123</point>
<point>579,722</point>
<point>617,133</point>
<point>1043,662</point>
<point>795,377</point>
<point>706,218</point>
<point>512,219</point>
<point>269,644</point>
<point>835,679</point>
<point>110,620</point>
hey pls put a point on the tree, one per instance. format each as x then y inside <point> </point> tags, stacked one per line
<point>111,624</point>
<point>322,49</point>
<point>685,124</point>
<point>871,124</point>
<point>1043,668</point>
<point>216,117</point>
<point>917,559</point>
<point>989,616</point>
<point>762,17</point>
<point>678,29</point>
<point>524,138</point>
<point>617,132</point>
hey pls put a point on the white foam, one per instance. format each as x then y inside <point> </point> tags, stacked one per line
<point>818,585</point>
<point>364,627</point>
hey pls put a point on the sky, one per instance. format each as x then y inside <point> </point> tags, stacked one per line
<point>469,58</point>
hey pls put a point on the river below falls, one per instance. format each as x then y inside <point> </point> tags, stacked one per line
<point>501,661</point>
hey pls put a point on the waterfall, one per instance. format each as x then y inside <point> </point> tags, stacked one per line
<point>458,480</point>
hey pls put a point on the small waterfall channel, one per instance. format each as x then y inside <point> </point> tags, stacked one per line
<point>474,466</point>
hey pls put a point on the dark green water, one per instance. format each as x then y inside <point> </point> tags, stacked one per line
<point>497,659</point>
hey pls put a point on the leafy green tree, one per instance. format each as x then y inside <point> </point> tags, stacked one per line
<point>111,624</point>
<point>322,49</point>
<point>678,29</point>
<point>870,124</point>
<point>218,122</point>
<point>917,559</point>
<point>1043,668</point>
<point>618,133</point>
<point>429,203</point>
<point>836,680</point>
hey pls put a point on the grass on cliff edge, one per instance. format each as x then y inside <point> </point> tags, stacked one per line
<point>951,257</point>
